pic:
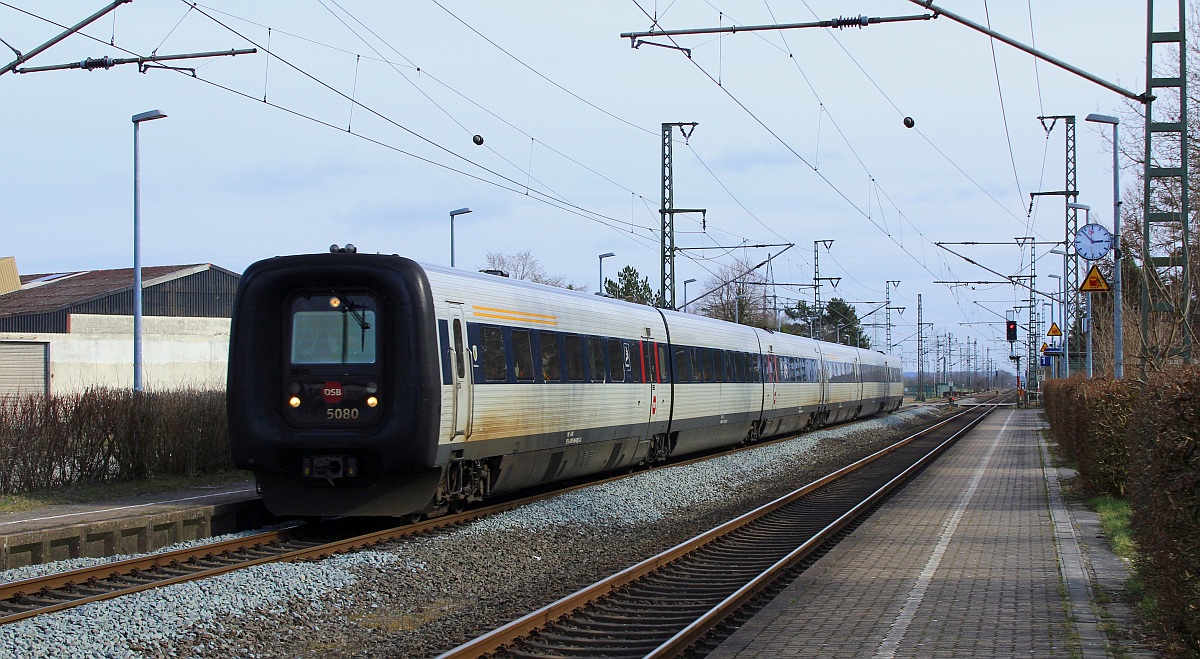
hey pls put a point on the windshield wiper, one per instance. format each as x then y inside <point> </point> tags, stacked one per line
<point>359,317</point>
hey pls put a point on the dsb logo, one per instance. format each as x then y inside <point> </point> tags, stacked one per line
<point>332,392</point>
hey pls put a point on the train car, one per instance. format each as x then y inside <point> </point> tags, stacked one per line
<point>372,385</point>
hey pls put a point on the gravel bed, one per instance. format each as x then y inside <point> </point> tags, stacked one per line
<point>422,596</point>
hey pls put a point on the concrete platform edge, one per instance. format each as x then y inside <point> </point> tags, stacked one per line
<point>129,535</point>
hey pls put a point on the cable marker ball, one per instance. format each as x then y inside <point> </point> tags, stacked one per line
<point>909,123</point>
<point>478,140</point>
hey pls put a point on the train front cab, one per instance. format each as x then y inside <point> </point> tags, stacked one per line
<point>332,395</point>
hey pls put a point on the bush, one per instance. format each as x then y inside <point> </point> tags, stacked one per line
<point>1090,419</point>
<point>1164,473</point>
<point>106,436</point>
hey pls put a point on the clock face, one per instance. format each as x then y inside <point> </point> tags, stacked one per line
<point>1093,241</point>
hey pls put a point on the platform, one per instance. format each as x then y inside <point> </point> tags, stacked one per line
<point>976,557</point>
<point>129,525</point>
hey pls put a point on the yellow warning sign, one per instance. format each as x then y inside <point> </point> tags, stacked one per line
<point>1094,282</point>
<point>1054,331</point>
<point>1044,346</point>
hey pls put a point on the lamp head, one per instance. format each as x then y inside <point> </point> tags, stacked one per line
<point>1102,119</point>
<point>461,211</point>
<point>606,255</point>
<point>1076,206</point>
<point>149,116</point>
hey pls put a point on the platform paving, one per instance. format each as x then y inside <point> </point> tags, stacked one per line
<point>977,557</point>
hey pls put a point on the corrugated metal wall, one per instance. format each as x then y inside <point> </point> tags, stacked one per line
<point>207,294</point>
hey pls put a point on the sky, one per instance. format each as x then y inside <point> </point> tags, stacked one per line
<point>358,126</point>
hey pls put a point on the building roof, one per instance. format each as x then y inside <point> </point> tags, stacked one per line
<point>42,293</point>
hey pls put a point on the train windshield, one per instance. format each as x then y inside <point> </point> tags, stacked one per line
<point>333,329</point>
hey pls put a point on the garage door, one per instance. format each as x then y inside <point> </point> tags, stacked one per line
<point>23,368</point>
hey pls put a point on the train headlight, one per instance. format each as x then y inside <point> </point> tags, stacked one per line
<point>372,401</point>
<point>294,401</point>
<point>335,302</point>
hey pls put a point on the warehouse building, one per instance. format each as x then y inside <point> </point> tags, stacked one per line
<point>67,332</point>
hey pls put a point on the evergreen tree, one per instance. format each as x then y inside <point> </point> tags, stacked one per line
<point>630,288</point>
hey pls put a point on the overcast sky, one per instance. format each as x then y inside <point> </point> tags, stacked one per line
<point>800,138</point>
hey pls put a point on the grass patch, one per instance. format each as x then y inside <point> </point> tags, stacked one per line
<point>1114,519</point>
<point>15,503</point>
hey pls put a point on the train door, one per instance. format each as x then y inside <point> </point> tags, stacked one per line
<point>460,367</point>
<point>658,374</point>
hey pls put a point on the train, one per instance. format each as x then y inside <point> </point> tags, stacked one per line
<point>373,385</point>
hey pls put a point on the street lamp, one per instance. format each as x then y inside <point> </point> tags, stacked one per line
<point>137,248</point>
<point>1066,329</point>
<point>461,211</point>
<point>685,299</point>
<point>1062,302</point>
<point>602,257</point>
<point>1118,344</point>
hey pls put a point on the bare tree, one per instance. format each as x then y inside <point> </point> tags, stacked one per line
<point>522,265</point>
<point>738,294</point>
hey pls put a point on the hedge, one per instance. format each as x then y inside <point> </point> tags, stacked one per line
<point>1139,438</point>
<point>106,436</point>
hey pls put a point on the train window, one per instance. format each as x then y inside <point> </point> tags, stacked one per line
<point>754,368</point>
<point>664,363</point>
<point>551,370</point>
<point>494,368</point>
<point>596,358</point>
<point>697,371</point>
<point>334,329</point>
<point>683,371</point>
<point>635,361</point>
<point>718,365</point>
<point>650,365</point>
<point>706,362</point>
<point>574,358</point>
<point>522,355</point>
<point>458,349</point>
<point>616,360</point>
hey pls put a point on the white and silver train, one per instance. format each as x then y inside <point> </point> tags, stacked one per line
<point>373,385</point>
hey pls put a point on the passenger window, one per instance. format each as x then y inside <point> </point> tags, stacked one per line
<point>616,360</point>
<point>458,349</point>
<point>706,361</point>
<point>596,358</point>
<point>664,363</point>
<point>494,368</point>
<point>754,368</point>
<point>697,371</point>
<point>522,355</point>
<point>635,361</point>
<point>551,371</point>
<point>683,370</point>
<point>574,358</point>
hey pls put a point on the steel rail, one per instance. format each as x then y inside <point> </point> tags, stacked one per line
<point>70,589</point>
<point>521,627</point>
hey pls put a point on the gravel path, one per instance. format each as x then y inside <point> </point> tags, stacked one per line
<point>423,596</point>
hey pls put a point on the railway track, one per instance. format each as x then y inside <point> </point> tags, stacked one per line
<point>672,602</point>
<point>24,599</point>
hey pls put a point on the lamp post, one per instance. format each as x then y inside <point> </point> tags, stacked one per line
<point>602,257</point>
<point>137,248</point>
<point>1087,314</point>
<point>685,298</point>
<point>461,211</point>
<point>1061,301</point>
<point>1118,343</point>
<point>1066,329</point>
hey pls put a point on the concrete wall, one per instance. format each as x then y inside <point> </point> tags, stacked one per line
<point>98,352</point>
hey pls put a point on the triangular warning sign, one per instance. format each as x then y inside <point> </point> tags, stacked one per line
<point>1044,346</point>
<point>1054,331</point>
<point>1094,282</point>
